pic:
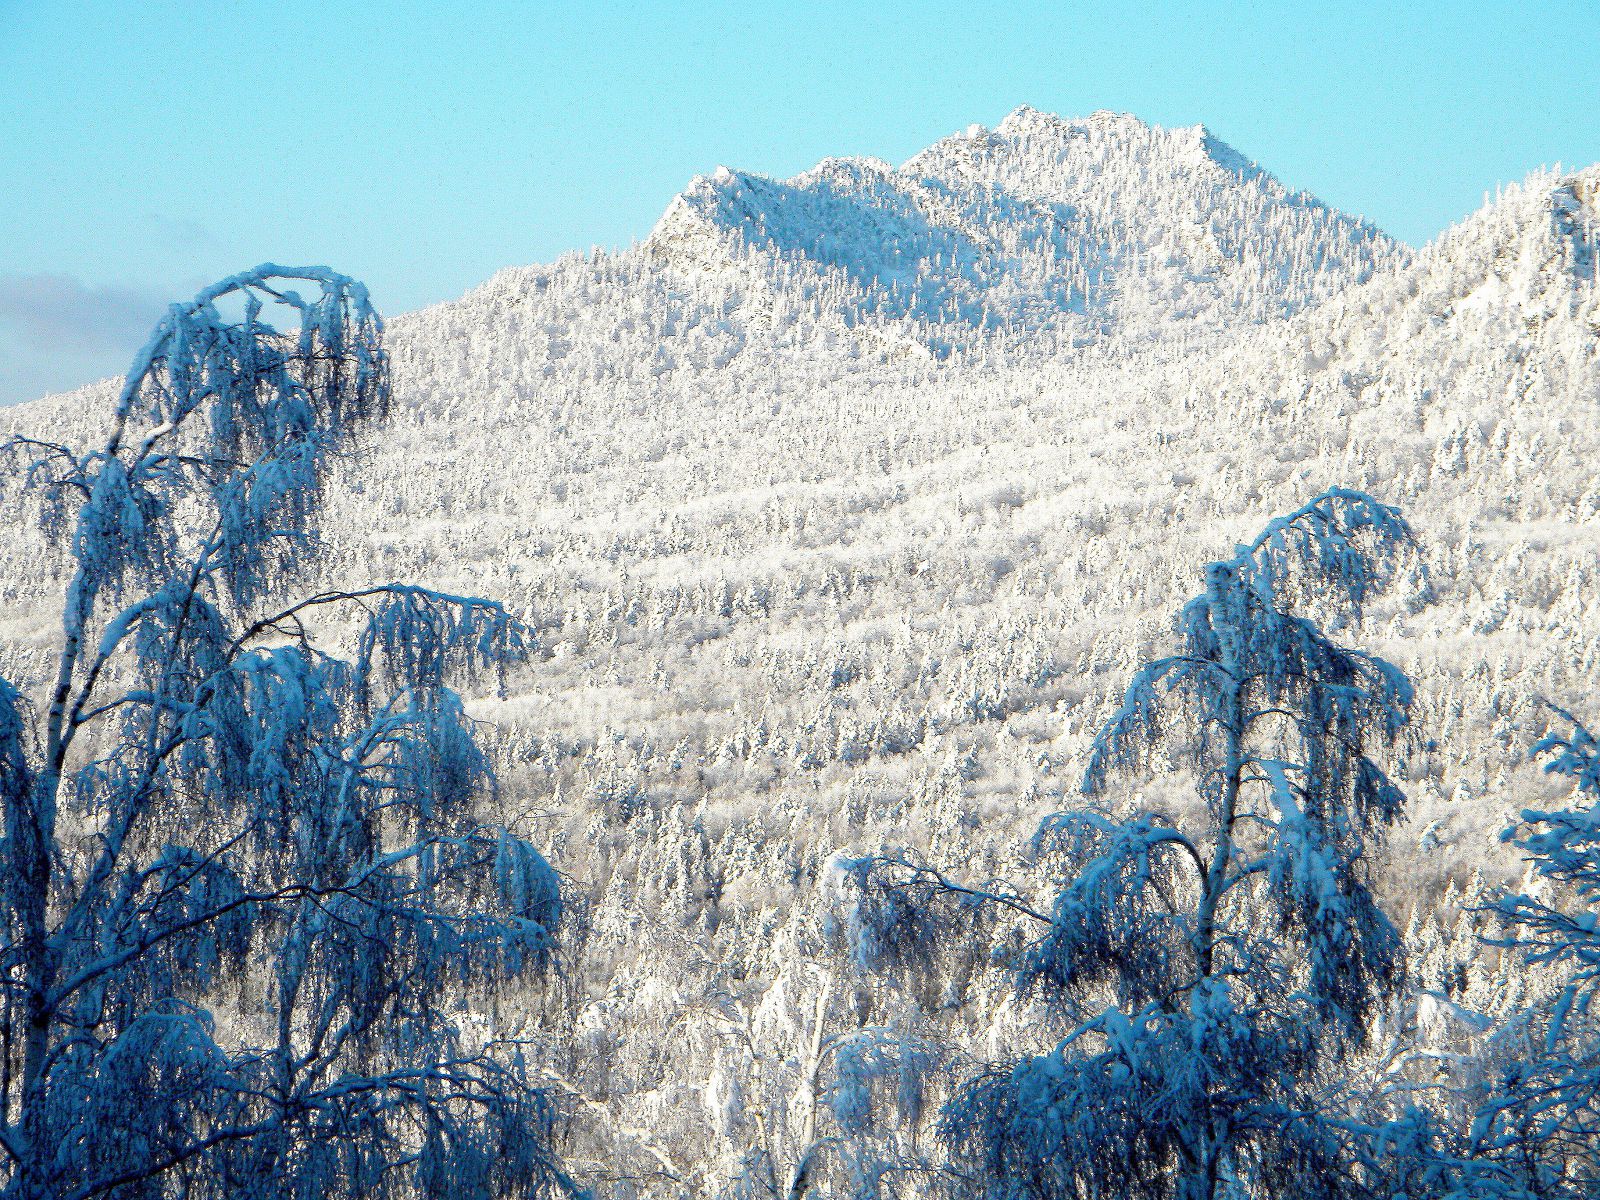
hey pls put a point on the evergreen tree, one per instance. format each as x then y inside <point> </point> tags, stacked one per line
<point>245,890</point>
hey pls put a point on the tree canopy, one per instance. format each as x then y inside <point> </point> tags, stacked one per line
<point>247,887</point>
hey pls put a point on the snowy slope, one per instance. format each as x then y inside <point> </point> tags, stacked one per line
<point>1041,225</point>
<point>824,596</point>
<point>845,505</point>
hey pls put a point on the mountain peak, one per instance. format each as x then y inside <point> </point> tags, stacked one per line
<point>1025,120</point>
<point>1044,224</point>
<point>1031,146</point>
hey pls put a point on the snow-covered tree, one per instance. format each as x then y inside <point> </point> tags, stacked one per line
<point>834,590</point>
<point>816,1099</point>
<point>1236,939</point>
<point>1541,1120</point>
<point>246,895</point>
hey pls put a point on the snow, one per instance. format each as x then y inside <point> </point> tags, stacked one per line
<point>752,477</point>
<point>1078,230</point>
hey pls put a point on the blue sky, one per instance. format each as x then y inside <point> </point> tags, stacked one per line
<point>148,148</point>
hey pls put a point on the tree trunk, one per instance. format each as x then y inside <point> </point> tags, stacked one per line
<point>1201,1168</point>
<point>800,1179</point>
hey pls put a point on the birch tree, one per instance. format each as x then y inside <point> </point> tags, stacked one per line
<point>1214,963</point>
<point>246,890</point>
<point>808,1095</point>
<point>1539,1124</point>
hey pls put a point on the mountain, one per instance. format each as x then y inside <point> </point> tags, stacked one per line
<point>1075,229</point>
<point>845,504</point>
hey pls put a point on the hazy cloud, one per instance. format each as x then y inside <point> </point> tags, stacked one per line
<point>53,313</point>
<point>57,332</point>
<point>181,234</point>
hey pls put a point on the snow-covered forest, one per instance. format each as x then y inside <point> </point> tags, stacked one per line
<point>834,524</point>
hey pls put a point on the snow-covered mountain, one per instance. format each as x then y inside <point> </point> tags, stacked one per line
<point>845,504</point>
<point>1075,228</point>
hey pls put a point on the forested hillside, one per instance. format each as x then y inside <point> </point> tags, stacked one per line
<point>843,508</point>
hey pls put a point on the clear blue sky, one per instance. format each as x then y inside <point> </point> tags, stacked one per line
<point>146,148</point>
